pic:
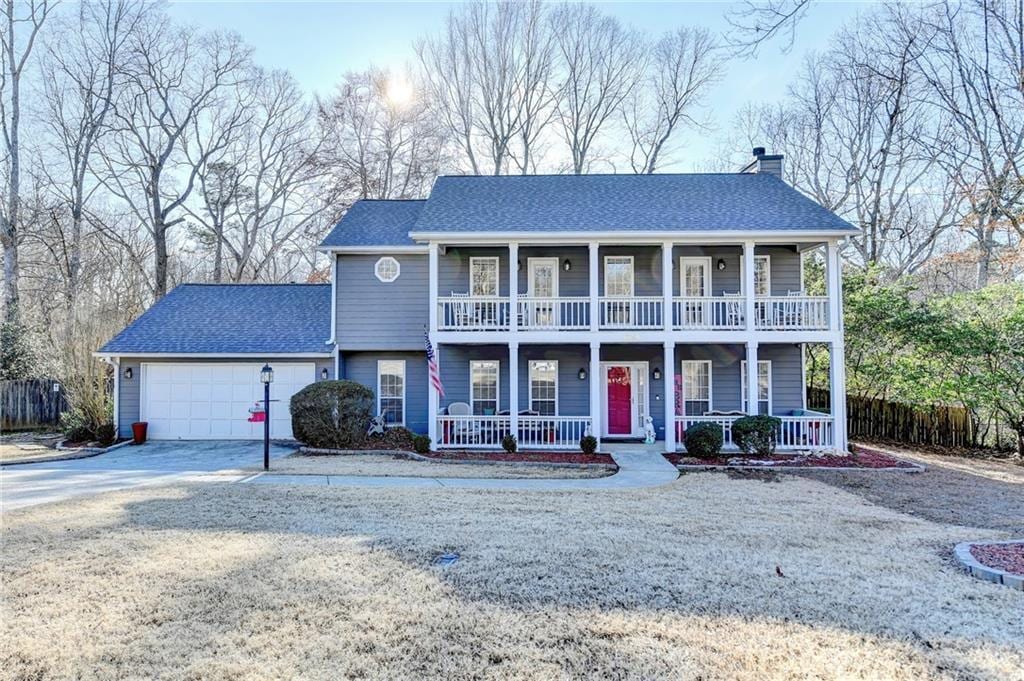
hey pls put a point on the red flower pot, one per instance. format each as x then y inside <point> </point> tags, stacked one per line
<point>139,432</point>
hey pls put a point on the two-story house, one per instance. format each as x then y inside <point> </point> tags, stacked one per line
<point>556,306</point>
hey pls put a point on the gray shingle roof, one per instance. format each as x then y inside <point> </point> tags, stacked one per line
<point>660,202</point>
<point>376,223</point>
<point>232,318</point>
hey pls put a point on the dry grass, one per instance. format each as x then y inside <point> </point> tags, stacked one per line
<point>26,446</point>
<point>390,466</point>
<point>252,582</point>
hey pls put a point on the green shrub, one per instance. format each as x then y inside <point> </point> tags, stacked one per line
<point>396,437</point>
<point>106,434</point>
<point>756,434</point>
<point>421,443</point>
<point>704,439</point>
<point>588,444</point>
<point>331,414</point>
<point>509,444</point>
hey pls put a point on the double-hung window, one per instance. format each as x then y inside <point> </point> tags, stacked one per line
<point>762,275</point>
<point>391,391</point>
<point>764,386</point>
<point>483,277</point>
<point>695,387</point>
<point>484,380</point>
<point>544,387</point>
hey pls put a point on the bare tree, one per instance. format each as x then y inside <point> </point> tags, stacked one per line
<point>756,22</point>
<point>684,64</point>
<point>599,64</point>
<point>15,51</point>
<point>178,81</point>
<point>488,73</point>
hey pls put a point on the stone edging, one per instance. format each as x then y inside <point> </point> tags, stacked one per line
<point>479,462</point>
<point>70,454</point>
<point>726,467</point>
<point>962,551</point>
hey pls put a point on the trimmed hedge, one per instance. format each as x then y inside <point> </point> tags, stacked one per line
<point>704,439</point>
<point>332,414</point>
<point>756,434</point>
<point>588,444</point>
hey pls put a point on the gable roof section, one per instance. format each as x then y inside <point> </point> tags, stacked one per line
<point>230,319</point>
<point>622,203</point>
<point>371,222</point>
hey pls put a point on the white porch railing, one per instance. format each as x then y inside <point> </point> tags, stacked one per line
<point>796,432</point>
<point>463,313</point>
<point>462,432</point>
<point>552,432</point>
<point>631,313</point>
<point>719,313</point>
<point>554,314</point>
<point>791,313</point>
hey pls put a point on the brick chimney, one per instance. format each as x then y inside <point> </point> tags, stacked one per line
<point>764,163</point>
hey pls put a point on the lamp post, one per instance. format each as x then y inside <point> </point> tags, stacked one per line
<point>266,377</point>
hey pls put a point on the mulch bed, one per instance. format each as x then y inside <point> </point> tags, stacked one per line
<point>522,456</point>
<point>1008,557</point>
<point>862,459</point>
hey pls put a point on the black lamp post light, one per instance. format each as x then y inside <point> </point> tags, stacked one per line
<point>266,378</point>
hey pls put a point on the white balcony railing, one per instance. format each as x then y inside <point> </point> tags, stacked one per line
<point>791,313</point>
<point>554,314</point>
<point>464,313</point>
<point>721,313</point>
<point>812,431</point>
<point>631,313</point>
<point>534,432</point>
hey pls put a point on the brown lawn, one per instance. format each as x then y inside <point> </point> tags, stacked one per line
<point>235,581</point>
<point>388,466</point>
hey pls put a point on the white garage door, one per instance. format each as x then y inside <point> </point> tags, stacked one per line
<point>212,401</point>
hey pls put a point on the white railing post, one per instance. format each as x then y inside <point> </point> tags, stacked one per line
<point>513,287</point>
<point>595,390</point>
<point>513,388</point>
<point>666,286</point>
<point>752,382</point>
<point>748,284</point>
<point>595,312</point>
<point>669,374</point>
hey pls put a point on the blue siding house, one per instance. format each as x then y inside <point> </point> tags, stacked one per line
<point>557,305</point>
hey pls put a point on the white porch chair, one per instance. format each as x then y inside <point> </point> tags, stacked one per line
<point>464,430</point>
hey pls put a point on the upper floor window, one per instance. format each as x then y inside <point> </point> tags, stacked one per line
<point>618,275</point>
<point>387,269</point>
<point>762,275</point>
<point>483,276</point>
<point>544,387</point>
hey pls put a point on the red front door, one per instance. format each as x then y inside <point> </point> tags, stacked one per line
<point>620,401</point>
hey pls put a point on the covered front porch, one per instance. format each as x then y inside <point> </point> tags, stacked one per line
<point>617,392</point>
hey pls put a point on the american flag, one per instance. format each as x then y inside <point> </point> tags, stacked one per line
<point>432,368</point>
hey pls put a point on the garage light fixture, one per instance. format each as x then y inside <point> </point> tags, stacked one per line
<point>323,374</point>
<point>266,374</point>
<point>128,373</point>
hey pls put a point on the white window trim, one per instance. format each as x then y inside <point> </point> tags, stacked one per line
<point>404,386</point>
<point>497,384</point>
<point>768,271</point>
<point>376,268</point>
<point>682,384</point>
<point>534,362</point>
<point>497,274</point>
<point>743,385</point>
<point>529,274</point>
<point>632,278</point>
<point>683,262</point>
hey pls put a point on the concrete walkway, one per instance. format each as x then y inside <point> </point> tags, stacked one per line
<point>637,469</point>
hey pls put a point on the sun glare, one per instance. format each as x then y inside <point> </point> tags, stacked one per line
<point>399,91</point>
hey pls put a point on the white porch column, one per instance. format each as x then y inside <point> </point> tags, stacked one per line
<point>433,403</point>
<point>834,275</point>
<point>595,390</point>
<point>669,373</point>
<point>752,392</point>
<point>748,283</point>
<point>595,312</point>
<point>837,393</point>
<point>432,274</point>
<point>513,287</point>
<point>513,388</point>
<point>666,284</point>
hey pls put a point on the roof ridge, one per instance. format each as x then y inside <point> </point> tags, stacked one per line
<point>253,283</point>
<point>582,175</point>
<point>388,201</point>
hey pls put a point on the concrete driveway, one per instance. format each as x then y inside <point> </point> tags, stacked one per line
<point>154,463</point>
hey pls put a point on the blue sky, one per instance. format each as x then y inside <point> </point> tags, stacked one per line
<point>318,41</point>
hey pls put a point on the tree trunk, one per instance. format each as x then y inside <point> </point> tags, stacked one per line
<point>160,260</point>
<point>11,282</point>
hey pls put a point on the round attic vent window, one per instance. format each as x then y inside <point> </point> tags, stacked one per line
<point>387,269</point>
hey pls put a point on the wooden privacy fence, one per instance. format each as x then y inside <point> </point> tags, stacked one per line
<point>30,403</point>
<point>946,426</point>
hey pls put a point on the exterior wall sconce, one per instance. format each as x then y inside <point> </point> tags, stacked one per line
<point>323,374</point>
<point>657,374</point>
<point>128,373</point>
<point>519,266</point>
<point>721,264</point>
<point>582,374</point>
<point>567,265</point>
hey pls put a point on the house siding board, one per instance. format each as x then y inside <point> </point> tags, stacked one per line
<point>374,315</point>
<point>785,268</point>
<point>726,391</point>
<point>573,394</point>
<point>574,283</point>
<point>361,367</point>
<point>722,281</point>
<point>453,269</point>
<point>454,367</point>
<point>646,268</point>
